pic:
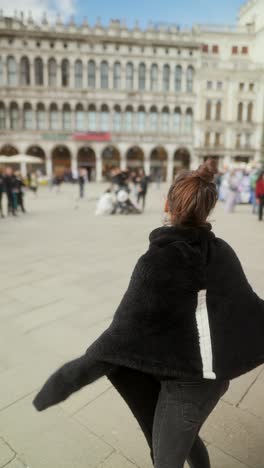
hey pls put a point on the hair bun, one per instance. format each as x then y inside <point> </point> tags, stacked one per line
<point>207,171</point>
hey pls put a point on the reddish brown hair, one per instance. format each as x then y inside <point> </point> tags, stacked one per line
<point>193,195</point>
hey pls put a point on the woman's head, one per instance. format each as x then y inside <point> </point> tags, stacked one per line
<point>193,195</point>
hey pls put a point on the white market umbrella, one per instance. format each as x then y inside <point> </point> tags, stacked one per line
<point>4,159</point>
<point>24,158</point>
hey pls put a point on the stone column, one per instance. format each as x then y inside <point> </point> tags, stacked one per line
<point>74,164</point>
<point>147,166</point>
<point>59,75</point>
<point>99,169</point>
<point>147,78</point>
<point>45,75</point>
<point>31,73</point>
<point>123,163</point>
<point>170,167</point>
<point>71,67</point>
<point>48,162</point>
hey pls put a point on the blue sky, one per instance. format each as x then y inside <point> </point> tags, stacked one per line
<point>183,12</point>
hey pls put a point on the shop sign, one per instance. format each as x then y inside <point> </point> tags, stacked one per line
<point>92,136</point>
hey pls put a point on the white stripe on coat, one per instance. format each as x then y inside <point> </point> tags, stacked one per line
<point>204,336</point>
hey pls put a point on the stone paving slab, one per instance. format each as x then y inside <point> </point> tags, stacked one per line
<point>6,453</point>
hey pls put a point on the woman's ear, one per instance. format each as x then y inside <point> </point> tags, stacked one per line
<point>166,208</point>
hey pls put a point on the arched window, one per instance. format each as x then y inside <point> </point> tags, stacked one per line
<point>177,120</point>
<point>128,119</point>
<point>104,75</point>
<point>208,112</point>
<point>142,77</point>
<point>28,116</point>
<point>240,112</point>
<point>66,117</point>
<point>92,123</point>
<point>79,118</point>
<point>1,72</point>
<point>129,76</point>
<point>91,74</point>
<point>14,116</point>
<point>153,119</point>
<point>38,64</point>
<point>54,117</point>
<point>165,120</point>
<point>189,79</point>
<point>218,111</point>
<point>52,72</point>
<point>24,72</point>
<point>104,118</point>
<point>117,119</point>
<point>78,74</point>
<point>189,120</point>
<point>65,73</point>
<point>11,71</point>
<point>154,77</point>
<point>141,119</point>
<point>2,116</point>
<point>178,78</point>
<point>41,117</point>
<point>117,75</point>
<point>250,112</point>
<point>166,78</point>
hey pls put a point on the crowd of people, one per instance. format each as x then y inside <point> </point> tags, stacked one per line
<point>127,193</point>
<point>238,186</point>
<point>12,191</point>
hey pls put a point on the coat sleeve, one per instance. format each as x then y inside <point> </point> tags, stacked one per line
<point>69,379</point>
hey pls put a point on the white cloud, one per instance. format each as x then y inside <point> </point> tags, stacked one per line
<point>65,7</point>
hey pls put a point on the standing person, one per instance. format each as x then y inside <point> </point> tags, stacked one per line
<point>2,190</point>
<point>260,195</point>
<point>34,183</point>
<point>81,180</point>
<point>143,188</point>
<point>188,323</point>
<point>232,192</point>
<point>253,178</point>
<point>20,187</point>
<point>10,187</point>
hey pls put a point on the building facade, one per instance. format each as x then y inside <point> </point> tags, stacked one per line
<point>103,97</point>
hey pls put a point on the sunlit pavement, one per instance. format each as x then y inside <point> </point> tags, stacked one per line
<point>62,273</point>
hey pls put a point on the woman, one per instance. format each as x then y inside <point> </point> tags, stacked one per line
<point>260,195</point>
<point>188,323</point>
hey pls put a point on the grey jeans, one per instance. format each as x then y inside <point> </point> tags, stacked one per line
<point>181,410</point>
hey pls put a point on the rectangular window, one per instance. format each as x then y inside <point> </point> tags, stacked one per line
<point>219,85</point>
<point>245,50</point>
<point>205,48</point>
<point>248,140</point>
<point>215,49</point>
<point>66,120</point>
<point>209,85</point>
<point>2,118</point>
<point>92,120</point>
<point>238,141</point>
<point>251,87</point>
<point>234,50</point>
<point>241,86</point>
<point>41,120</point>
<point>207,139</point>
<point>217,139</point>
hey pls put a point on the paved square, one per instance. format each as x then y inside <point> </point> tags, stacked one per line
<point>62,274</point>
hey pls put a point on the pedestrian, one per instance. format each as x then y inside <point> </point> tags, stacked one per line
<point>260,195</point>
<point>34,183</point>
<point>2,190</point>
<point>254,175</point>
<point>10,187</point>
<point>143,181</point>
<point>81,180</point>
<point>20,187</point>
<point>188,323</point>
<point>232,192</point>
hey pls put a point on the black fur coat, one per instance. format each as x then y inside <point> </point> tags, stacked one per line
<point>159,327</point>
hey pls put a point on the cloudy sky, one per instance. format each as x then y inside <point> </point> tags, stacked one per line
<point>183,12</point>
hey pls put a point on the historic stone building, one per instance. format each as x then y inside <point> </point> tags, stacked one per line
<point>160,98</point>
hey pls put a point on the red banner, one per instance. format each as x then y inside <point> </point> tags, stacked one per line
<point>92,136</point>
